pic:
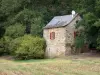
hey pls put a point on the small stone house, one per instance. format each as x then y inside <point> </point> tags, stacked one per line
<point>59,34</point>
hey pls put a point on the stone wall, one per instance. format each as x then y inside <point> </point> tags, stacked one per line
<point>57,46</point>
<point>70,35</point>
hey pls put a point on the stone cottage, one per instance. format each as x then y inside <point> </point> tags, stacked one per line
<point>59,34</point>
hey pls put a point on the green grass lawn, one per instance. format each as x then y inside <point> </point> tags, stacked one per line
<point>66,66</point>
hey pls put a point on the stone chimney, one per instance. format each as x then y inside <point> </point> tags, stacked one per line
<point>73,13</point>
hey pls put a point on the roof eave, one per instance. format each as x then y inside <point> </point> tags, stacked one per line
<point>54,27</point>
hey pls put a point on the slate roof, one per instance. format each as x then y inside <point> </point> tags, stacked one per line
<point>60,21</point>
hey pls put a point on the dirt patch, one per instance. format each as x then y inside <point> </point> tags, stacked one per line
<point>83,56</point>
<point>89,55</point>
<point>3,73</point>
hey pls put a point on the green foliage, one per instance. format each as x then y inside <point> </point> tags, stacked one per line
<point>97,8</point>
<point>15,31</point>
<point>2,32</point>
<point>9,6</point>
<point>14,44</point>
<point>37,26</point>
<point>4,45</point>
<point>33,20</point>
<point>90,29</point>
<point>79,42</point>
<point>90,23</point>
<point>97,23</point>
<point>24,16</point>
<point>98,42</point>
<point>28,47</point>
<point>90,18</point>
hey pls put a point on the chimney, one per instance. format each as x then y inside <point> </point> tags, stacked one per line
<point>73,13</point>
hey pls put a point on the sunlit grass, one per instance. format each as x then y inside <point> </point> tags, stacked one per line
<point>68,66</point>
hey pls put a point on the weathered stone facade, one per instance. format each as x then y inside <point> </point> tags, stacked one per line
<point>64,39</point>
<point>57,46</point>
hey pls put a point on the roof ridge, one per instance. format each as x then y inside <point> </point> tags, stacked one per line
<point>62,15</point>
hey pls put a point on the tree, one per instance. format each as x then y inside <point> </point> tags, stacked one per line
<point>97,8</point>
<point>15,31</point>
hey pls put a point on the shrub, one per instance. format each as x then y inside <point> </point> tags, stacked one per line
<point>15,31</point>
<point>14,44</point>
<point>4,45</point>
<point>98,43</point>
<point>79,44</point>
<point>28,47</point>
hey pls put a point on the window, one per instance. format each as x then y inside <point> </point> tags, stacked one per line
<point>52,35</point>
<point>77,21</point>
<point>75,34</point>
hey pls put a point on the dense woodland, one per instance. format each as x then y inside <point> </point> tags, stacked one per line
<point>19,18</point>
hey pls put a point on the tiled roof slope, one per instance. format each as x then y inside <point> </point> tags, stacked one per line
<point>60,21</point>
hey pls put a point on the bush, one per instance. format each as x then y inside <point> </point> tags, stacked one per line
<point>28,47</point>
<point>98,43</point>
<point>79,44</point>
<point>4,45</point>
<point>14,44</point>
<point>15,31</point>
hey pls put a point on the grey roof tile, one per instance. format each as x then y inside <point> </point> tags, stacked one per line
<point>59,21</point>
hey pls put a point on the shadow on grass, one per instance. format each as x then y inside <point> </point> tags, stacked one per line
<point>34,60</point>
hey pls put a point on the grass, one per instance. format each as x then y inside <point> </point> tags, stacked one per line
<point>65,66</point>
